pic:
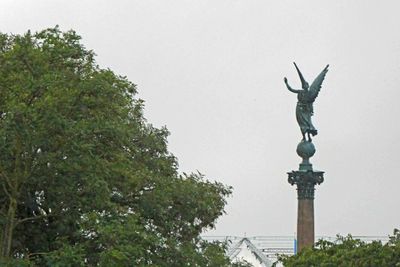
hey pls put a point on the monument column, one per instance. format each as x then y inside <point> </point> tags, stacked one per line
<point>306,177</point>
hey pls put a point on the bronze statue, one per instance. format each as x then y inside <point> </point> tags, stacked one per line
<point>306,97</point>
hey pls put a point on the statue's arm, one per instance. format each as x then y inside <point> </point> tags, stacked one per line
<point>290,88</point>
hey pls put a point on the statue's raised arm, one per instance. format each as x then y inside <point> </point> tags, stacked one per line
<point>306,98</point>
<point>290,88</point>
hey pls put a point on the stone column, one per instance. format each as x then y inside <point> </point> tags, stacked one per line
<point>305,179</point>
<point>305,223</point>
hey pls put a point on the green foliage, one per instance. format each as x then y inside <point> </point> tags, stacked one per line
<point>65,255</point>
<point>348,252</point>
<point>85,180</point>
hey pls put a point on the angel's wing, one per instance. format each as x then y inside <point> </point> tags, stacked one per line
<point>316,85</point>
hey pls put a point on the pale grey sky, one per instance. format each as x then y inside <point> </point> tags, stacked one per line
<point>212,72</point>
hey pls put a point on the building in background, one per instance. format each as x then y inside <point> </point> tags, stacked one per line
<point>262,251</point>
<point>244,250</point>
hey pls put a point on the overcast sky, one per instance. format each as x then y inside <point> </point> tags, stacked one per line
<point>212,72</point>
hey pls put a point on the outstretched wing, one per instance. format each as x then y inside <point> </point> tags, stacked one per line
<point>316,85</point>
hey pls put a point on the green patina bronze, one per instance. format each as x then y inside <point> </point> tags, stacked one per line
<point>305,99</point>
<point>305,181</point>
<point>306,178</point>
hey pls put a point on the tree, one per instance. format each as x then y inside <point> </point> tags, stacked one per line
<point>348,252</point>
<point>85,180</point>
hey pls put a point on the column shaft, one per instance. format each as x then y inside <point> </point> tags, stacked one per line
<point>305,223</point>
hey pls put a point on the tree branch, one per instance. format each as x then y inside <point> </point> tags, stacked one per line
<point>36,253</point>
<point>6,191</point>
<point>5,178</point>
<point>31,219</point>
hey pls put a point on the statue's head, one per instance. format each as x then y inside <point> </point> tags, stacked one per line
<point>304,83</point>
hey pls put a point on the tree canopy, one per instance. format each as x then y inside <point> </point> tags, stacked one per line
<point>85,180</point>
<point>348,252</point>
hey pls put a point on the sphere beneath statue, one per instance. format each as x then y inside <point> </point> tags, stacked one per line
<point>305,149</point>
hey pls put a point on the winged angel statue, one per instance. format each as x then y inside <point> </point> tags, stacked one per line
<point>305,100</point>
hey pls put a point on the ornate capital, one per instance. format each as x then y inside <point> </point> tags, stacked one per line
<point>305,181</point>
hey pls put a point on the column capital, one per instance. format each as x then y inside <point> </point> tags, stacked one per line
<point>305,181</point>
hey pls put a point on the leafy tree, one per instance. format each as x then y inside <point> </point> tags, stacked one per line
<point>85,180</point>
<point>348,252</point>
